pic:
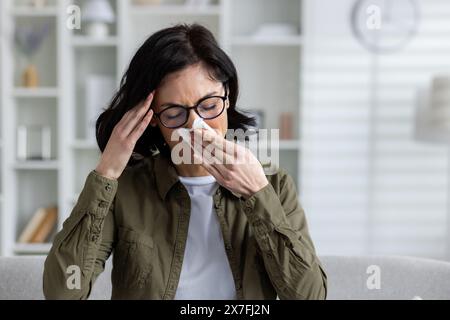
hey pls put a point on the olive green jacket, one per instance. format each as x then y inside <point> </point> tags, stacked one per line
<point>143,218</point>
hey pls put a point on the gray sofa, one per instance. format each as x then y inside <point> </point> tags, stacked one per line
<point>348,278</point>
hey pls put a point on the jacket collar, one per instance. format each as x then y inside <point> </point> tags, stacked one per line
<point>166,176</point>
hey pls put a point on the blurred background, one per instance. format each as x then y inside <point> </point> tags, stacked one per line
<point>360,90</point>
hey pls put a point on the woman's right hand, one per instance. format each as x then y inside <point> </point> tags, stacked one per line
<point>123,139</point>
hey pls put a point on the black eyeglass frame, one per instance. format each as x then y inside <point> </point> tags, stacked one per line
<point>188,109</point>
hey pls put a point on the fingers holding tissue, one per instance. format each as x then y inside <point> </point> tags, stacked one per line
<point>234,166</point>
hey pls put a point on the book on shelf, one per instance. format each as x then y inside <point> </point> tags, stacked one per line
<point>40,225</point>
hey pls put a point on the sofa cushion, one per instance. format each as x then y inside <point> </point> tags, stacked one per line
<point>399,278</point>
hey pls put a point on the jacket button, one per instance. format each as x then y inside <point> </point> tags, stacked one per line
<point>103,204</point>
<point>228,247</point>
<point>248,209</point>
<point>108,187</point>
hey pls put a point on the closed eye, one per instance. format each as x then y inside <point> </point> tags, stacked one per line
<point>210,107</point>
<point>174,116</point>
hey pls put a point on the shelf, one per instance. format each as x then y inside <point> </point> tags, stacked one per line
<point>290,145</point>
<point>32,248</point>
<point>175,10</point>
<point>84,41</point>
<point>37,165</point>
<point>43,92</point>
<point>285,144</point>
<point>267,41</point>
<point>85,144</point>
<point>29,11</point>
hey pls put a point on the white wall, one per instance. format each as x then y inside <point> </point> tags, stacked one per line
<point>368,186</point>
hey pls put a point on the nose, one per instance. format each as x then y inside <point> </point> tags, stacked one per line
<point>192,116</point>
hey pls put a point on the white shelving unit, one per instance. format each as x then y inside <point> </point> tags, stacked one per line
<point>81,41</point>
<point>269,68</point>
<point>37,165</point>
<point>26,11</point>
<point>31,184</point>
<point>43,92</point>
<point>32,249</point>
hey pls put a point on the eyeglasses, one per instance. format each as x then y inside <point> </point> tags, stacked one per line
<point>207,108</point>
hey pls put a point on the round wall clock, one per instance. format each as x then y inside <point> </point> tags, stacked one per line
<point>384,26</point>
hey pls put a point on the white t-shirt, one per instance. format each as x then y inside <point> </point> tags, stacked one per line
<point>205,273</point>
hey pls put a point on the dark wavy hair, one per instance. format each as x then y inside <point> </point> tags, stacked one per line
<point>164,52</point>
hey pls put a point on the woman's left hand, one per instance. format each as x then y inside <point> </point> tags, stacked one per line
<point>233,166</point>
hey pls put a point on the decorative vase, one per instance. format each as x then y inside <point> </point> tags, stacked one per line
<point>286,130</point>
<point>98,30</point>
<point>30,77</point>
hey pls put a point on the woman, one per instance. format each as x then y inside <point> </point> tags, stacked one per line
<point>189,230</point>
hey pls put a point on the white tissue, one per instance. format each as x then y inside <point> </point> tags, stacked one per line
<point>200,123</point>
<point>197,124</point>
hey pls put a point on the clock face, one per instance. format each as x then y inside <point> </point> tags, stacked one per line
<point>384,26</point>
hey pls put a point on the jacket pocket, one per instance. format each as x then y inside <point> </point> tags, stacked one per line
<point>132,259</point>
